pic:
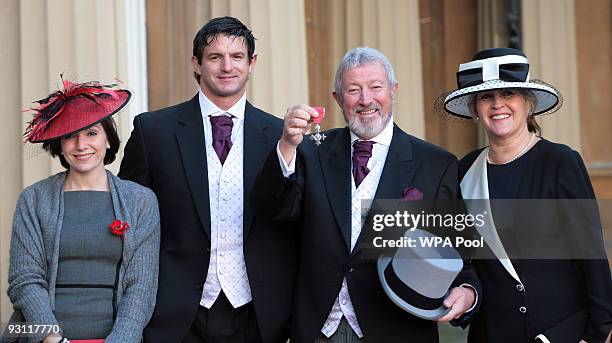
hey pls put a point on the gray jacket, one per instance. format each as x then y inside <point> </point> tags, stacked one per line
<point>35,252</point>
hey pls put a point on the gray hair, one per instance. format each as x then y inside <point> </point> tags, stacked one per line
<point>360,56</point>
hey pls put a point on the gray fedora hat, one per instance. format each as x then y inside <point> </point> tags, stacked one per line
<point>417,278</point>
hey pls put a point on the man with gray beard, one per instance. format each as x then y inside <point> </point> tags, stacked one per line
<point>338,297</point>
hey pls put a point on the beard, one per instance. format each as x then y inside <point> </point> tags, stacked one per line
<point>368,128</point>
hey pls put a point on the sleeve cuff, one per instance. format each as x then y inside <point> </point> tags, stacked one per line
<point>287,169</point>
<point>466,285</point>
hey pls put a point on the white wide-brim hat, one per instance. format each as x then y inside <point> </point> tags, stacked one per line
<point>417,278</point>
<point>499,68</point>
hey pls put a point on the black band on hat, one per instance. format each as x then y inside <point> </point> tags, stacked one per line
<point>408,294</point>
<point>510,72</point>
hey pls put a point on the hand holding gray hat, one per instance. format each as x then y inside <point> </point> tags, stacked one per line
<point>417,278</point>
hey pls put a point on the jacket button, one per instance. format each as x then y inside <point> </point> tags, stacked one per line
<point>199,286</point>
<point>522,309</point>
<point>520,287</point>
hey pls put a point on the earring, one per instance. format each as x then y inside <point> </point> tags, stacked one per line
<point>477,118</point>
<point>108,146</point>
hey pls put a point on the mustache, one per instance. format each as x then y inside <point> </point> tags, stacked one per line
<point>367,108</point>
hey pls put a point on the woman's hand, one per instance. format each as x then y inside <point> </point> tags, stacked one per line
<point>52,338</point>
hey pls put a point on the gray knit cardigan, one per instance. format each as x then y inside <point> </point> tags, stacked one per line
<point>35,251</point>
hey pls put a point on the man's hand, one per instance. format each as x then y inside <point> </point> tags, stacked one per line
<point>294,127</point>
<point>459,300</point>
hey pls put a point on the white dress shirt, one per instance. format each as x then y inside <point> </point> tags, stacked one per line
<point>227,268</point>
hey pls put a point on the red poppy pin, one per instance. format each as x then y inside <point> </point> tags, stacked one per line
<point>118,228</point>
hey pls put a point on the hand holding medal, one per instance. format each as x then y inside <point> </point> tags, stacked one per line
<point>296,124</point>
<point>317,137</point>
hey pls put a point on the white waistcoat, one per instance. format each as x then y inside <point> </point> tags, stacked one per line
<point>227,268</point>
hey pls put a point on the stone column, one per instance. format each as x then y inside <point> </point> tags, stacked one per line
<point>550,44</point>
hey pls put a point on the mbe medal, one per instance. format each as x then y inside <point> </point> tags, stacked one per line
<point>317,137</point>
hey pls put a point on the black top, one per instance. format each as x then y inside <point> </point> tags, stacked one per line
<point>553,171</point>
<point>565,300</point>
<point>504,179</point>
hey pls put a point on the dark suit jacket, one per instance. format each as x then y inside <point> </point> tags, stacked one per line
<point>565,299</point>
<point>166,152</point>
<point>318,199</point>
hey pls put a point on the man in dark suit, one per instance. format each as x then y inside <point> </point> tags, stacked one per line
<point>225,275</point>
<point>338,297</point>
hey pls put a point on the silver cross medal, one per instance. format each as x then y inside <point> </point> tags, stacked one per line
<point>317,137</point>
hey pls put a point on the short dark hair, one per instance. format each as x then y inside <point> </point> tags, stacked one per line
<point>229,26</point>
<point>54,146</point>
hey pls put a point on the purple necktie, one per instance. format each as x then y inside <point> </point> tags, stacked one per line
<point>222,135</point>
<point>362,151</point>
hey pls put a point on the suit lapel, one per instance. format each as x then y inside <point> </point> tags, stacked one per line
<point>256,149</point>
<point>399,167</point>
<point>336,168</point>
<point>190,139</point>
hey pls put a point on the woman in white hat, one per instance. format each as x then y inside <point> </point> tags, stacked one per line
<point>560,300</point>
<point>85,244</point>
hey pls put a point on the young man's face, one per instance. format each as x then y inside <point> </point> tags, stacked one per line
<point>225,68</point>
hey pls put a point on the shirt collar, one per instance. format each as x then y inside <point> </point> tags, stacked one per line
<point>208,108</point>
<point>384,137</point>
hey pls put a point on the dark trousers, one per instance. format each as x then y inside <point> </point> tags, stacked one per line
<point>344,334</point>
<point>223,323</point>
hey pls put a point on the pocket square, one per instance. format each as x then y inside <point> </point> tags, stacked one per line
<point>412,193</point>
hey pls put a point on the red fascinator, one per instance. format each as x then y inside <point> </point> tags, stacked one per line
<point>76,107</point>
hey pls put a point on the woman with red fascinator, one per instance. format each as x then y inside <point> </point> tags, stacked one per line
<point>85,244</point>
